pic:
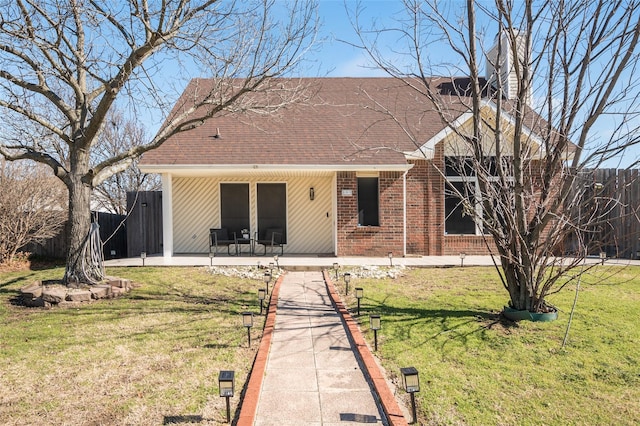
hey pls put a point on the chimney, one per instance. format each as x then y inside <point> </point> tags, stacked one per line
<point>500,69</point>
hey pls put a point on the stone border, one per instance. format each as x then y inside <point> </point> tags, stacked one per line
<point>249,404</point>
<point>41,295</point>
<point>385,396</point>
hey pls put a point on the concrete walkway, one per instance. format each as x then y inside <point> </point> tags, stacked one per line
<point>312,376</point>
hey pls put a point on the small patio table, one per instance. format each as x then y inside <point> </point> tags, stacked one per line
<point>245,242</point>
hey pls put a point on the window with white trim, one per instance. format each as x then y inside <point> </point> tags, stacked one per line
<point>463,198</point>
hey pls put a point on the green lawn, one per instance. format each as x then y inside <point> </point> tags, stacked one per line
<point>150,357</point>
<point>478,370</point>
<point>153,356</point>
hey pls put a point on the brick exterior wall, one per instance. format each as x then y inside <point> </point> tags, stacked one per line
<point>425,215</point>
<point>354,240</point>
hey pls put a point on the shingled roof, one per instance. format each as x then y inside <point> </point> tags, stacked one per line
<point>347,123</point>
<point>344,123</point>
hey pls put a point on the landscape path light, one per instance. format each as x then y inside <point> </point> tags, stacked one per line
<point>261,297</point>
<point>275,258</point>
<point>603,256</point>
<point>247,321</point>
<point>359,294</point>
<point>226,384</point>
<point>143,256</point>
<point>374,324</point>
<point>390,255</point>
<point>347,280</point>
<point>411,384</point>
<point>462,256</point>
<point>336,266</point>
<point>267,278</point>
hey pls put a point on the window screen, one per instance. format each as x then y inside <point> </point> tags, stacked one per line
<point>368,201</point>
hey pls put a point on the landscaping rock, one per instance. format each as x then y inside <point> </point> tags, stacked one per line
<point>118,291</point>
<point>54,294</point>
<point>46,294</point>
<point>32,291</point>
<point>79,296</point>
<point>100,291</point>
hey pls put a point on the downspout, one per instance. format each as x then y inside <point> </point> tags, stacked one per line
<point>404,214</point>
<point>334,207</point>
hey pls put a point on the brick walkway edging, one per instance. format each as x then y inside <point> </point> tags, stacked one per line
<point>249,404</point>
<point>385,396</point>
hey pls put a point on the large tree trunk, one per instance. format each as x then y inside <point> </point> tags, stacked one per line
<point>78,227</point>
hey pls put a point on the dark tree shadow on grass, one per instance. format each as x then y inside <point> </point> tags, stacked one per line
<point>459,324</point>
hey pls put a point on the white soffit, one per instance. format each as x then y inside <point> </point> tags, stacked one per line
<point>266,170</point>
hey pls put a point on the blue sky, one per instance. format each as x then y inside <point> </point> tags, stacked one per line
<point>335,57</point>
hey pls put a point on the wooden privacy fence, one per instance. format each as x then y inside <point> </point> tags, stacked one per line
<point>113,234</point>
<point>619,202</point>
<point>144,224</point>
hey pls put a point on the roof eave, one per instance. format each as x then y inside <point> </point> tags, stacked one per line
<point>207,169</point>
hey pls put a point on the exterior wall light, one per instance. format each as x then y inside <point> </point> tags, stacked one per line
<point>312,194</point>
<point>226,384</point>
<point>411,385</point>
<point>374,324</point>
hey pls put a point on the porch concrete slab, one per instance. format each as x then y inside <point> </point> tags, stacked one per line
<point>293,261</point>
<point>312,375</point>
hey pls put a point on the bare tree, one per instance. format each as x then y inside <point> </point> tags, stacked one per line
<point>558,96</point>
<point>121,135</point>
<point>65,64</point>
<point>32,207</point>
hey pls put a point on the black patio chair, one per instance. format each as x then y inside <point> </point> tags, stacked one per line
<point>219,237</point>
<point>273,238</point>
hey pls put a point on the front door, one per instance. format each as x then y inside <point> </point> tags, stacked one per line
<point>272,208</point>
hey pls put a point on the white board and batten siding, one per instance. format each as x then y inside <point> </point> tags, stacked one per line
<point>310,223</point>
